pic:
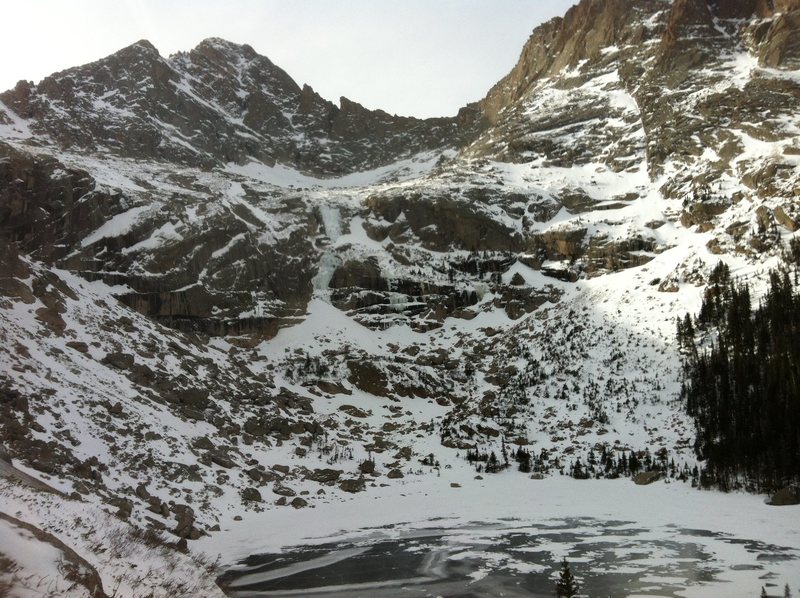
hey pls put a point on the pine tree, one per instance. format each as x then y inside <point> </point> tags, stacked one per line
<point>763,592</point>
<point>566,587</point>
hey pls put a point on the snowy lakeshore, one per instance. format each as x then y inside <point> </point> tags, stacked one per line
<point>507,534</point>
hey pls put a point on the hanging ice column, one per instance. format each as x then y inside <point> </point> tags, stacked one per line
<point>332,223</point>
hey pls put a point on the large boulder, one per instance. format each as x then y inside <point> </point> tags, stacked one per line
<point>324,476</point>
<point>646,478</point>
<point>788,495</point>
<point>352,485</point>
<point>251,494</point>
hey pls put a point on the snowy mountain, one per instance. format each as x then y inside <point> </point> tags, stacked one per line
<point>223,294</point>
<point>218,103</point>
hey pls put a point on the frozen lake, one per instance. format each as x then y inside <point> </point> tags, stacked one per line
<point>518,558</point>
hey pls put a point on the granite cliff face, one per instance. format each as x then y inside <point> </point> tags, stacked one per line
<point>217,272</point>
<point>673,89</point>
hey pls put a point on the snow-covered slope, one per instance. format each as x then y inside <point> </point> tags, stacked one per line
<point>188,340</point>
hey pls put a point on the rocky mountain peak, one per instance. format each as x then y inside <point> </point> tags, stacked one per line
<point>142,51</point>
<point>310,100</point>
<point>219,103</point>
<point>581,34</point>
<point>134,60</point>
<point>223,46</point>
<point>128,68</point>
<point>593,26</point>
<point>143,45</point>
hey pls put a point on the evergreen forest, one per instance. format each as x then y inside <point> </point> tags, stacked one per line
<point>742,382</point>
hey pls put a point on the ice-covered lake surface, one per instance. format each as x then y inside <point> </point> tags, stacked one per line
<point>515,558</point>
<point>620,540</point>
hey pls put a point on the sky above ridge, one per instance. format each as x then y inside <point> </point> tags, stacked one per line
<point>410,57</point>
